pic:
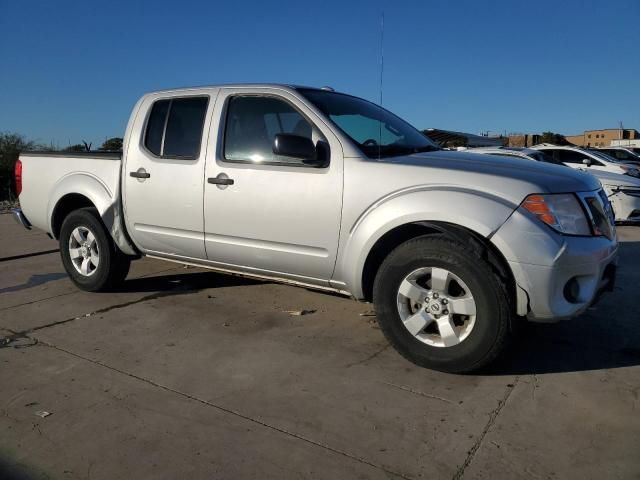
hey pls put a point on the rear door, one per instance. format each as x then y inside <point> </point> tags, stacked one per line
<point>280,216</point>
<point>163,175</point>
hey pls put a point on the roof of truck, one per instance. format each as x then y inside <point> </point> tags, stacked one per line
<point>243,85</point>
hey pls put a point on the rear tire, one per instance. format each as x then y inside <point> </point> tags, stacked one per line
<point>89,255</point>
<point>442,306</point>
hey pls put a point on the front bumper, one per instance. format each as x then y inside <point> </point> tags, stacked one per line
<point>19,217</point>
<point>546,262</point>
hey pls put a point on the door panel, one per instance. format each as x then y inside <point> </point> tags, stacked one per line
<point>278,219</point>
<point>164,211</point>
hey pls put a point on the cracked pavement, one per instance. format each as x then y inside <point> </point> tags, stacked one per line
<point>186,373</point>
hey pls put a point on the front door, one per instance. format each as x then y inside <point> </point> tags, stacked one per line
<point>163,175</point>
<point>576,159</point>
<point>273,215</point>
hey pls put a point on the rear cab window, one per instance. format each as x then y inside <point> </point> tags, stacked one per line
<point>174,127</point>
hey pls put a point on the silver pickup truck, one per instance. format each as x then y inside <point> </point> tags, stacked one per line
<point>325,190</point>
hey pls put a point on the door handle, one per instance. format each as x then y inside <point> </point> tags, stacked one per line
<point>221,180</point>
<point>140,173</point>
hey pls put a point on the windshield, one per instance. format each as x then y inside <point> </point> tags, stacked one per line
<point>374,130</point>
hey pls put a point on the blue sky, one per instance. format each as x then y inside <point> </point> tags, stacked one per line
<point>73,70</point>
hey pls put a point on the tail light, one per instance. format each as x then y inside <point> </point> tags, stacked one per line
<point>18,176</point>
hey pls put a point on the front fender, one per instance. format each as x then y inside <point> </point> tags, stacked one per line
<point>478,211</point>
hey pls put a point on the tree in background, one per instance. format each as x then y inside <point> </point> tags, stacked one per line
<point>11,144</point>
<point>112,144</point>
<point>79,147</point>
<point>554,138</point>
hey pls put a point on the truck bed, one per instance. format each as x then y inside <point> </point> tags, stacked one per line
<point>47,176</point>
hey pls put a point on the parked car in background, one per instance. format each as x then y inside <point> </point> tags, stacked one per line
<point>326,190</point>
<point>624,154</point>
<point>580,158</point>
<point>623,190</point>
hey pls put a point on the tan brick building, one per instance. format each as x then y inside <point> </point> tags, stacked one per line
<point>602,138</point>
<point>523,139</point>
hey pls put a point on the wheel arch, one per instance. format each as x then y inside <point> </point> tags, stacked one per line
<point>395,237</point>
<point>65,205</point>
<point>81,190</point>
<point>466,214</point>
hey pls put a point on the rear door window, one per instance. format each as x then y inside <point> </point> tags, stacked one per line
<point>554,154</point>
<point>174,128</point>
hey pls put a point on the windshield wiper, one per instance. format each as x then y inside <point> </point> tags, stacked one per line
<point>392,150</point>
<point>426,148</point>
<point>395,150</point>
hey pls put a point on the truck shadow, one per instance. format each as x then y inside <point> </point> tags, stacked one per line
<point>606,336</point>
<point>34,281</point>
<point>191,281</point>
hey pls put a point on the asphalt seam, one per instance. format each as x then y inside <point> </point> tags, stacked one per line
<point>78,291</point>
<point>418,392</point>
<point>226,410</point>
<point>369,357</point>
<point>492,419</point>
<point>153,296</point>
<point>28,255</point>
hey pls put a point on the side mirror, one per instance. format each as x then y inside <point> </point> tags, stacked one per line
<point>294,146</point>
<point>586,161</point>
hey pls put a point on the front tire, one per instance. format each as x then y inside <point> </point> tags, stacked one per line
<point>88,253</point>
<point>441,305</point>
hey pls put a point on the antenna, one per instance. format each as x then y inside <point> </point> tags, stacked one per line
<point>381,52</point>
<point>381,72</point>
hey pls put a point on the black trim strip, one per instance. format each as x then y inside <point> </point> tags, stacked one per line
<point>50,153</point>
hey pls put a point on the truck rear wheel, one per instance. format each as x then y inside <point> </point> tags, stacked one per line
<point>441,305</point>
<point>88,253</point>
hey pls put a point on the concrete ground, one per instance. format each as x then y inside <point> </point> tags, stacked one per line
<point>191,374</point>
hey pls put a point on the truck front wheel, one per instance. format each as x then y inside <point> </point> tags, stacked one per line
<point>88,253</point>
<point>441,305</point>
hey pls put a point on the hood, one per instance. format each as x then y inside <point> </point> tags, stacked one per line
<point>508,176</point>
<point>614,179</point>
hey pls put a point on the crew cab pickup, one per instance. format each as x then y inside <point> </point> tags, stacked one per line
<point>326,190</point>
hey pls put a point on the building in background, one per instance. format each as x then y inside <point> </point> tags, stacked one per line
<point>604,137</point>
<point>523,139</point>
<point>451,139</point>
<point>632,142</point>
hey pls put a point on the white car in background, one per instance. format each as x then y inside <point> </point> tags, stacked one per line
<point>623,190</point>
<point>623,154</point>
<point>576,157</point>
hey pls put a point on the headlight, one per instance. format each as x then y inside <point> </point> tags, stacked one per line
<point>562,212</point>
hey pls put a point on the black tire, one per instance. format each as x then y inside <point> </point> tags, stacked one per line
<point>489,335</point>
<point>113,265</point>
